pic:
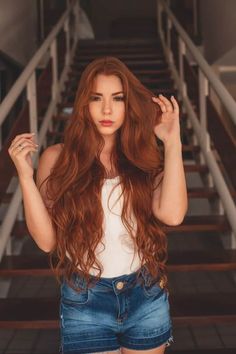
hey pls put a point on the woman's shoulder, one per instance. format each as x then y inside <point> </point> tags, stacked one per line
<point>54,149</point>
<point>51,153</point>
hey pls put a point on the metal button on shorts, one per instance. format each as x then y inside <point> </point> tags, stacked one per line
<point>119,285</point>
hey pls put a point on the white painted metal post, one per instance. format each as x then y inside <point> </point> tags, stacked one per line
<point>76,15</point>
<point>159,19</point>
<point>53,54</point>
<point>67,33</point>
<point>182,52</point>
<point>203,93</point>
<point>170,54</point>
<point>31,97</point>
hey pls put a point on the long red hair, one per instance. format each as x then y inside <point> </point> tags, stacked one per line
<point>74,185</point>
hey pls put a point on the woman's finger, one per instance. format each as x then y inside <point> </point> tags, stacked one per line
<point>161,104</point>
<point>175,104</point>
<point>20,147</point>
<point>21,141</point>
<point>25,150</point>
<point>167,103</point>
<point>23,136</point>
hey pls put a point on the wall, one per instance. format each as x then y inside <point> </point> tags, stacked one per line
<point>102,12</point>
<point>218,25</point>
<point>18,29</point>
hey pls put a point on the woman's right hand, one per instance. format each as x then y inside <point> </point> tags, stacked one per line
<point>20,155</point>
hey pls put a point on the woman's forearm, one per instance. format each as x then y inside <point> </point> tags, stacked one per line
<point>173,201</point>
<point>37,217</point>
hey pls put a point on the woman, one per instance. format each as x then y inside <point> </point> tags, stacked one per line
<point>102,209</point>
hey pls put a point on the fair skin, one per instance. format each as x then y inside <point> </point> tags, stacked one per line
<point>107,103</point>
<point>169,198</point>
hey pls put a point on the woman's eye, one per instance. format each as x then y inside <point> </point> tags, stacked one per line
<point>120,98</point>
<point>94,98</point>
<point>116,98</point>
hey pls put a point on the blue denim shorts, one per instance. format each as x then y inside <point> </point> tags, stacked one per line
<point>116,312</point>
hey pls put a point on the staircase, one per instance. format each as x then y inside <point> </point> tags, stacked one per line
<point>201,270</point>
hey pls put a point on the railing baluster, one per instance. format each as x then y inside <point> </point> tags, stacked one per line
<point>203,93</point>
<point>67,32</point>
<point>206,76</point>
<point>28,80</point>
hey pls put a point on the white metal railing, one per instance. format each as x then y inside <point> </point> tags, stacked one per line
<point>207,80</point>
<point>69,22</point>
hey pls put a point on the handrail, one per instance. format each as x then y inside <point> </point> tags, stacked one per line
<point>21,82</point>
<point>207,78</point>
<point>226,98</point>
<point>27,80</point>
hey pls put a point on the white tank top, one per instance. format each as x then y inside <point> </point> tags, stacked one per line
<point>118,255</point>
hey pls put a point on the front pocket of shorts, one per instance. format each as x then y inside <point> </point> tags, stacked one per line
<point>70,296</point>
<point>153,291</point>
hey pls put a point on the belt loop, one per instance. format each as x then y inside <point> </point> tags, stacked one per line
<point>146,276</point>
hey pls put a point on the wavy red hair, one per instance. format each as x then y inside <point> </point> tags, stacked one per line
<point>74,185</point>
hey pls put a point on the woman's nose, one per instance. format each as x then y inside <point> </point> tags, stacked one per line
<point>107,107</point>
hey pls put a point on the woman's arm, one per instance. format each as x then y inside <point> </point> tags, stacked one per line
<point>170,201</point>
<point>35,203</point>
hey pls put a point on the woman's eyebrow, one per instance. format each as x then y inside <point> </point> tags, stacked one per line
<point>100,94</point>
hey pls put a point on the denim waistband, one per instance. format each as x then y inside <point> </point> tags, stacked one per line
<point>128,278</point>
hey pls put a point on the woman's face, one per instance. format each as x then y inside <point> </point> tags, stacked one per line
<point>107,105</point>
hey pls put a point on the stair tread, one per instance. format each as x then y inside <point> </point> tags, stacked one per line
<point>193,308</point>
<point>204,351</point>
<point>191,223</point>
<point>120,55</point>
<point>39,264</point>
<point>165,71</point>
<point>114,42</point>
<point>201,223</point>
<point>127,61</point>
<point>202,260</point>
<point>193,192</point>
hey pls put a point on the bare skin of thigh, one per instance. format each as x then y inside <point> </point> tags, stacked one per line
<point>158,350</point>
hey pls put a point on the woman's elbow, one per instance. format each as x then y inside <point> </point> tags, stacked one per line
<point>170,219</point>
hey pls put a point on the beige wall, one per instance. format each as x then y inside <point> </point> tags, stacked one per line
<point>18,29</point>
<point>218,25</point>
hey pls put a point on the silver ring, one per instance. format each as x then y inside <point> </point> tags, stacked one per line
<point>22,147</point>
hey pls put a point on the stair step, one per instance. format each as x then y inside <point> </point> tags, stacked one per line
<point>71,86</point>
<point>220,260</point>
<point>122,56</point>
<point>185,309</point>
<point>163,81</point>
<point>38,265</point>
<point>119,43</point>
<point>202,192</point>
<point>204,351</point>
<point>196,192</point>
<point>159,72</point>
<point>41,313</point>
<point>193,223</point>
<point>203,308</point>
<point>154,64</point>
<point>197,223</point>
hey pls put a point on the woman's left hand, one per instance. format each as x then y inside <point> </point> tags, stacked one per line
<point>168,129</point>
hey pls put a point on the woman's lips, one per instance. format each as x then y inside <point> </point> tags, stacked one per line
<point>106,123</point>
